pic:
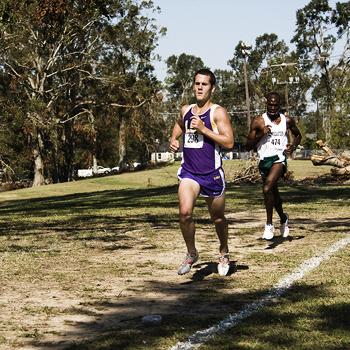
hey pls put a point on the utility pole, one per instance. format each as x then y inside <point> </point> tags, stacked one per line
<point>291,80</point>
<point>245,51</point>
<point>286,97</point>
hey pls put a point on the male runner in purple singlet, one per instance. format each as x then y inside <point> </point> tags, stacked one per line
<point>205,128</point>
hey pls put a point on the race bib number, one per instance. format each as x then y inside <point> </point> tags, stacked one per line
<point>276,142</point>
<point>193,139</point>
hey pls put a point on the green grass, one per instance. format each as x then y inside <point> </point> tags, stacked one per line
<point>304,168</point>
<point>82,262</point>
<point>300,168</point>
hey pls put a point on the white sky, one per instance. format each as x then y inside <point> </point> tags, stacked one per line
<point>211,29</point>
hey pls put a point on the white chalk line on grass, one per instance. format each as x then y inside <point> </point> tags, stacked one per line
<point>200,337</point>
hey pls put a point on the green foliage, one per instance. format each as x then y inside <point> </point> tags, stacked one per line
<point>69,63</point>
<point>13,144</point>
<point>228,94</point>
<point>179,81</point>
<point>315,44</point>
<point>267,61</point>
<point>312,22</point>
<point>340,123</point>
<point>341,17</point>
<point>77,83</point>
<point>340,131</point>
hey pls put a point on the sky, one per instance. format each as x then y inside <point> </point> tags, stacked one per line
<point>211,29</point>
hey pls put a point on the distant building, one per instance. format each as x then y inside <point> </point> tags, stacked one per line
<point>311,136</point>
<point>162,157</point>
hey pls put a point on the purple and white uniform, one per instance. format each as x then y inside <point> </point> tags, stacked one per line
<point>201,160</point>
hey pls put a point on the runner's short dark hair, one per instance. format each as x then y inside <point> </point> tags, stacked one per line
<point>208,72</point>
<point>273,94</point>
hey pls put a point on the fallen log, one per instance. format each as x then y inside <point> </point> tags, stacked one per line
<point>340,162</point>
<point>325,148</point>
<point>341,171</point>
<point>333,161</point>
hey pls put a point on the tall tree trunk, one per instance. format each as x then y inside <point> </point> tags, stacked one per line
<point>94,142</point>
<point>56,157</point>
<point>94,163</point>
<point>329,100</point>
<point>327,126</point>
<point>68,152</point>
<point>38,162</point>
<point>122,142</point>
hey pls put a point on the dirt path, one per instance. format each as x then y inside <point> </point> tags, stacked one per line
<point>45,315</point>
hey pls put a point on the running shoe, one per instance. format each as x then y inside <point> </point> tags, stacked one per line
<point>187,264</point>
<point>284,229</point>
<point>268,232</point>
<point>224,265</point>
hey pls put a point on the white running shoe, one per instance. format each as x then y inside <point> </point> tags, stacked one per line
<point>187,264</point>
<point>268,232</point>
<point>224,265</point>
<point>284,229</point>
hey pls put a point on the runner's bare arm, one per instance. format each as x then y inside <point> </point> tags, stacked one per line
<point>256,132</point>
<point>174,143</point>
<point>291,125</point>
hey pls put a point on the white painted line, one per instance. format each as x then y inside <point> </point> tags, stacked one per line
<point>200,337</point>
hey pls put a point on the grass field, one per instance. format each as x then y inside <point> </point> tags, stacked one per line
<point>82,262</point>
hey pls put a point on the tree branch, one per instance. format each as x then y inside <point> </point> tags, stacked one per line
<point>13,70</point>
<point>129,106</point>
<point>85,111</point>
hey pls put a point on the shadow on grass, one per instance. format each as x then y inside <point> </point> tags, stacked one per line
<point>335,316</point>
<point>197,306</point>
<point>208,268</point>
<point>79,202</point>
<point>278,240</point>
<point>339,195</point>
<point>335,224</point>
<point>160,197</point>
<point>78,215</point>
<point>83,216</point>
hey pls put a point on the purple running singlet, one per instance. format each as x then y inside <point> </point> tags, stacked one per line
<point>201,160</point>
<point>201,155</point>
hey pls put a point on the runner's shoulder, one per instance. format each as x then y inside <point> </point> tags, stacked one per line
<point>220,111</point>
<point>183,109</point>
<point>258,120</point>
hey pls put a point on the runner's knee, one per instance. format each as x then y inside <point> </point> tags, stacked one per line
<point>218,220</point>
<point>185,215</point>
<point>267,188</point>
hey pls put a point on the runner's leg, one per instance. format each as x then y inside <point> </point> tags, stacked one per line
<point>271,197</point>
<point>188,193</point>
<point>216,207</point>
<point>278,203</point>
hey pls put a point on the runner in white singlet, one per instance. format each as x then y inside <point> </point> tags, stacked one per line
<point>268,135</point>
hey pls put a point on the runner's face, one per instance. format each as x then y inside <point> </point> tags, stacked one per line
<point>273,106</point>
<point>202,88</point>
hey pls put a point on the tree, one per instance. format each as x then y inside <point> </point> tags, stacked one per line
<point>179,81</point>
<point>315,43</point>
<point>340,124</point>
<point>60,55</point>
<point>268,50</point>
<point>228,94</point>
